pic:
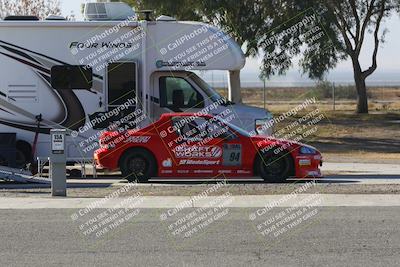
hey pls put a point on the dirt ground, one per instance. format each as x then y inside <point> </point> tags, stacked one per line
<point>342,135</point>
<point>347,137</point>
<point>250,188</point>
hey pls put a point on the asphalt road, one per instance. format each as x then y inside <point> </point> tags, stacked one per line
<point>334,236</point>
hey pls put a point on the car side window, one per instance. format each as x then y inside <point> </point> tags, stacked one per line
<point>217,129</point>
<point>200,128</point>
<point>189,129</point>
<point>177,93</point>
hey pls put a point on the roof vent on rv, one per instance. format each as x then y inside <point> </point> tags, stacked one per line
<point>165,18</point>
<point>108,11</point>
<point>55,17</point>
<point>34,18</point>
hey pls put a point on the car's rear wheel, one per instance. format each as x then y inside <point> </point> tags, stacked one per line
<point>21,158</point>
<point>275,168</point>
<point>138,165</point>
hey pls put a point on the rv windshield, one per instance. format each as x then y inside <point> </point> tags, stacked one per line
<point>210,92</point>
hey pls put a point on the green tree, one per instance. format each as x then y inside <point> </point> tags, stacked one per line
<point>241,19</point>
<point>265,27</point>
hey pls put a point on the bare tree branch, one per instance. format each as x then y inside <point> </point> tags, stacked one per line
<point>370,9</point>
<point>357,19</point>
<point>346,26</point>
<point>349,46</point>
<point>374,65</point>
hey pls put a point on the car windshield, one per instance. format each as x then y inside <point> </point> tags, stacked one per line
<point>236,128</point>
<point>208,90</point>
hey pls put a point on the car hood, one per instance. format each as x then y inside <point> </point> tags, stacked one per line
<point>262,142</point>
<point>248,111</point>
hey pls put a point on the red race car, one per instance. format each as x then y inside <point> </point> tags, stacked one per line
<point>203,146</point>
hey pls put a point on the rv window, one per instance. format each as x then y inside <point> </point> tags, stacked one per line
<point>121,83</point>
<point>71,77</point>
<point>176,93</point>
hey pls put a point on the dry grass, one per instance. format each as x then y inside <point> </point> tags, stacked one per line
<point>343,135</point>
<point>282,99</point>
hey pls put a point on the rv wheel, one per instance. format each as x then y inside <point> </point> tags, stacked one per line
<point>33,167</point>
<point>137,165</point>
<point>20,159</point>
<point>23,154</point>
<point>75,173</point>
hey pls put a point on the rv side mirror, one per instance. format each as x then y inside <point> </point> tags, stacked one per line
<point>71,77</point>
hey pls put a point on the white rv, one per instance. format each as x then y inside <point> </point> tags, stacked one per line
<point>73,73</point>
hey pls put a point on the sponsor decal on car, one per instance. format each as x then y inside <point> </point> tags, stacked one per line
<point>304,162</point>
<point>198,162</point>
<point>198,152</point>
<point>203,171</point>
<point>137,139</point>
<point>167,163</point>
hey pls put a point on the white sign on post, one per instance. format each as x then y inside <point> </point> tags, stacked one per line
<point>57,143</point>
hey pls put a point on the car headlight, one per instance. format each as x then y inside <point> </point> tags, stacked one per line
<point>307,150</point>
<point>263,125</point>
<point>269,116</point>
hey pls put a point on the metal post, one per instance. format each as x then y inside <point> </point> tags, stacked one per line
<point>58,163</point>
<point>264,94</point>
<point>234,94</point>
<point>333,96</point>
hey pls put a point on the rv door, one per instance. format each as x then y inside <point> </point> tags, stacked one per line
<point>121,91</point>
<point>121,88</point>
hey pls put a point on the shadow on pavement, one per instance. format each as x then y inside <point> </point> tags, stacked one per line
<point>103,183</point>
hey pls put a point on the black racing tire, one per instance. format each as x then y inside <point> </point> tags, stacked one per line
<point>137,164</point>
<point>275,167</point>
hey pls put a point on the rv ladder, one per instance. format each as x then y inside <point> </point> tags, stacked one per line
<point>19,175</point>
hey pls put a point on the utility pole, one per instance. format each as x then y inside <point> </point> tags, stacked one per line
<point>264,94</point>
<point>333,96</point>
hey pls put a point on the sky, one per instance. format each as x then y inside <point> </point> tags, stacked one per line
<point>388,55</point>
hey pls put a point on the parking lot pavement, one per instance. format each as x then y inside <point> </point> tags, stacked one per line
<point>361,168</point>
<point>335,236</point>
<point>361,173</point>
<point>157,202</point>
<point>340,178</point>
<point>347,173</point>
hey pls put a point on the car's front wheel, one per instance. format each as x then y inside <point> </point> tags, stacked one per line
<point>275,167</point>
<point>137,165</point>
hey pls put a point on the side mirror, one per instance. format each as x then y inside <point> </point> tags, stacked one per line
<point>178,99</point>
